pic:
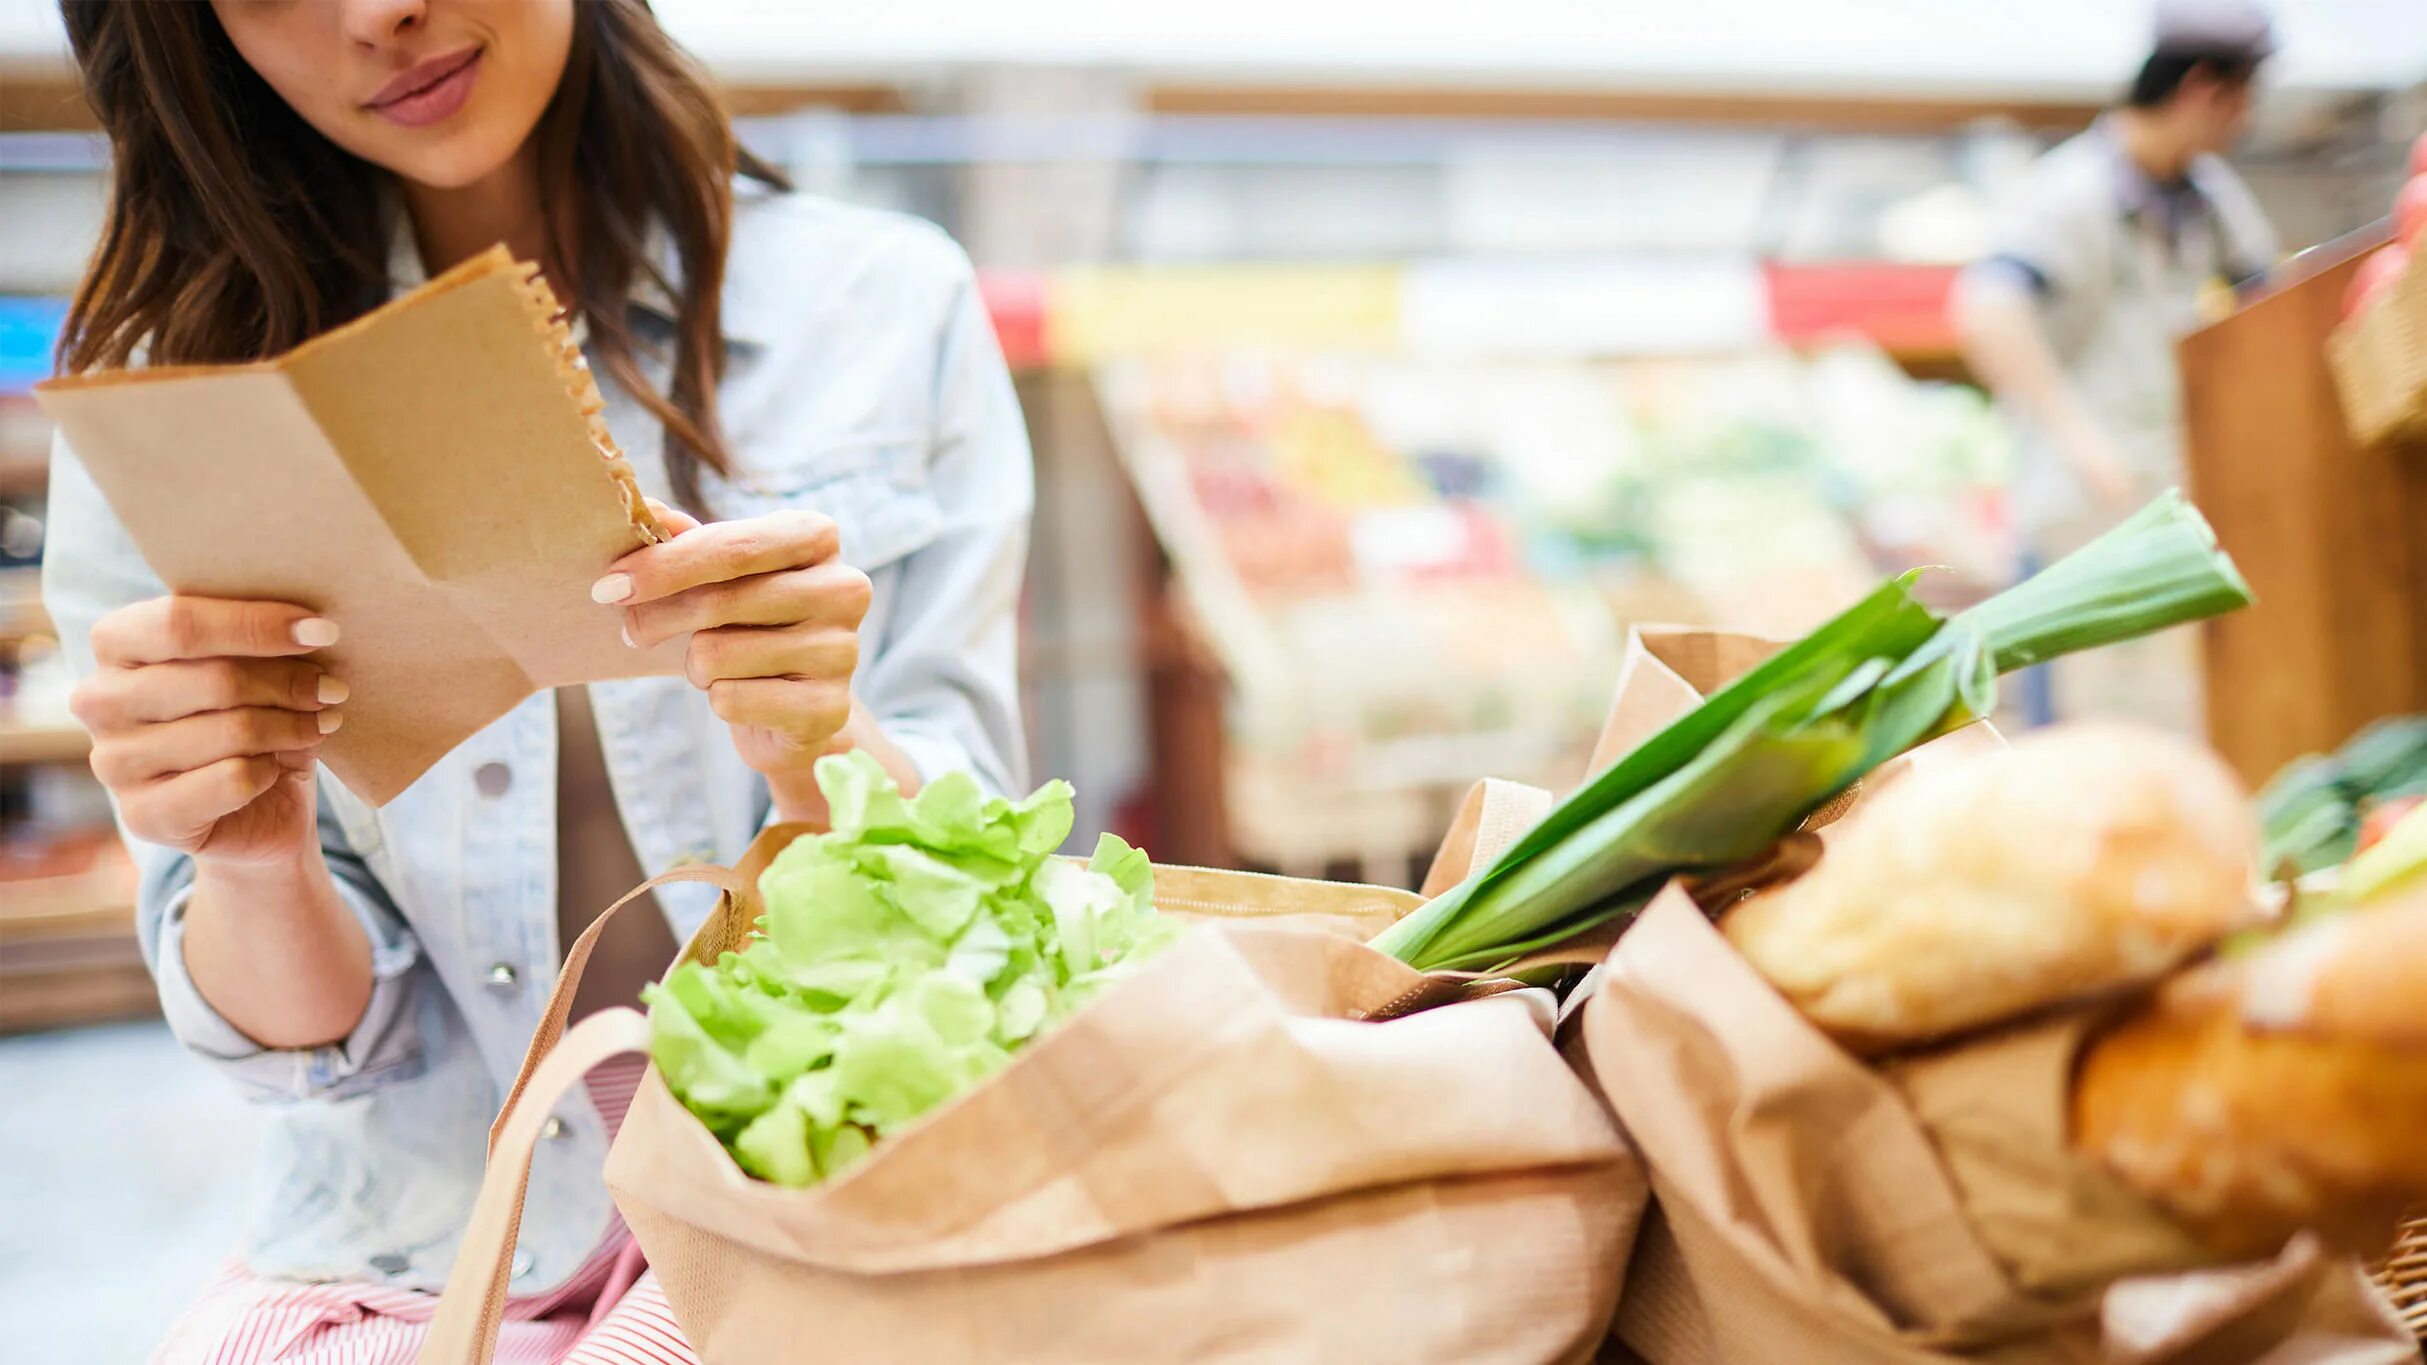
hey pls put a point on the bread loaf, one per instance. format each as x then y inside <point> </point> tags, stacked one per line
<point>2278,1090</point>
<point>2079,860</point>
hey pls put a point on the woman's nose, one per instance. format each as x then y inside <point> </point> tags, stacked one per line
<point>375,23</point>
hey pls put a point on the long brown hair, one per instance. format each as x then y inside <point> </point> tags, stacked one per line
<point>236,230</point>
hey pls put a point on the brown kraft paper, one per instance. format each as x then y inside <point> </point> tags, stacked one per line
<point>1246,1152</point>
<point>429,476</point>
<point>1810,1208</point>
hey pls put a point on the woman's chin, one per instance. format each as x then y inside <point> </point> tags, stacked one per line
<point>448,163</point>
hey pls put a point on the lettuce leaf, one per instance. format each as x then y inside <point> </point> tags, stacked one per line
<point>901,959</point>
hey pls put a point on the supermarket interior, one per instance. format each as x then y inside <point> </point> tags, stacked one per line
<point>1384,367</point>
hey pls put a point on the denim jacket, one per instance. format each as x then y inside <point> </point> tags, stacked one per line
<point>863,381</point>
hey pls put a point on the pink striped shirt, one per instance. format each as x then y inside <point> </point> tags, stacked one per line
<point>610,1313</point>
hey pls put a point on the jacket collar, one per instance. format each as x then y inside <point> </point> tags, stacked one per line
<point>2172,204</point>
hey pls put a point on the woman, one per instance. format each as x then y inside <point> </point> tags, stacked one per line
<point>817,384</point>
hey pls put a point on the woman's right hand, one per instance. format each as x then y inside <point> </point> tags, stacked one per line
<point>206,720</point>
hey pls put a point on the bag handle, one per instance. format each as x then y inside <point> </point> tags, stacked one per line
<point>577,960</point>
<point>1495,814</point>
<point>464,1330</point>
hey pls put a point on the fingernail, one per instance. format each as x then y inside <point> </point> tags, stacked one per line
<point>331,690</point>
<point>625,630</point>
<point>329,721</point>
<point>315,632</point>
<point>614,588</point>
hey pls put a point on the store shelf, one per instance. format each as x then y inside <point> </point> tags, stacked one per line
<point>52,884</point>
<point>44,1000</point>
<point>24,475</point>
<point>21,745</point>
<point>86,905</point>
<point>21,612</point>
<point>1084,315</point>
<point>68,951</point>
<point>25,433</point>
<point>1901,308</point>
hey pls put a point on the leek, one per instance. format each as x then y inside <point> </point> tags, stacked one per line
<point>1727,779</point>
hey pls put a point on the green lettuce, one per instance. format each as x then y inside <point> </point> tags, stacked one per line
<point>902,958</point>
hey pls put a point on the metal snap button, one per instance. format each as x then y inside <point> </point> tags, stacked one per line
<point>502,977</point>
<point>493,779</point>
<point>389,1263</point>
<point>522,1264</point>
<point>553,1129</point>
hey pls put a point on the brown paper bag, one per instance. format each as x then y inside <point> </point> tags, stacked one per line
<point>1248,1152</point>
<point>429,476</point>
<point>1810,1208</point>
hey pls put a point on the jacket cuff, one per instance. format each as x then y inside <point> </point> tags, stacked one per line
<point>934,755</point>
<point>384,1046</point>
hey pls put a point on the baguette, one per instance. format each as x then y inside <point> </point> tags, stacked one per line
<point>2080,860</point>
<point>2276,1091</point>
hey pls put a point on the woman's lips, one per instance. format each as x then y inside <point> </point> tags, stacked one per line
<point>431,91</point>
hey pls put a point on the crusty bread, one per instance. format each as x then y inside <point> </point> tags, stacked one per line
<point>2082,859</point>
<point>2281,1090</point>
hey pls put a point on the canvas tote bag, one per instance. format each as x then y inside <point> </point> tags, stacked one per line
<point>1809,1207</point>
<point>1272,1144</point>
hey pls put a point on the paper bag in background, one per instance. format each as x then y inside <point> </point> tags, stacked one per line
<point>1810,1208</point>
<point>431,476</point>
<point>1232,1156</point>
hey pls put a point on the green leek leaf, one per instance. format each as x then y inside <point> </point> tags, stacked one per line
<point>1727,779</point>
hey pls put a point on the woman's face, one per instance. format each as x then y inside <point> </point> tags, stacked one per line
<point>441,92</point>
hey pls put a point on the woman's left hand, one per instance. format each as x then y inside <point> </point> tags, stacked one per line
<point>774,621</point>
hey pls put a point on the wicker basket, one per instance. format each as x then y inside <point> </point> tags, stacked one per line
<point>2404,1273</point>
<point>2380,362</point>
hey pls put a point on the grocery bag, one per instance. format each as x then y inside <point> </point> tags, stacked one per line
<point>1265,1146</point>
<point>1810,1207</point>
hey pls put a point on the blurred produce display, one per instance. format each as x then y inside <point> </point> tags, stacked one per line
<point>1417,571</point>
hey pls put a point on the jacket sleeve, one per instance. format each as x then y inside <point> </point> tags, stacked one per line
<point>90,567</point>
<point>943,681</point>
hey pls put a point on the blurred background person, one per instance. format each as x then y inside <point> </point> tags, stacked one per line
<point>2117,243</point>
